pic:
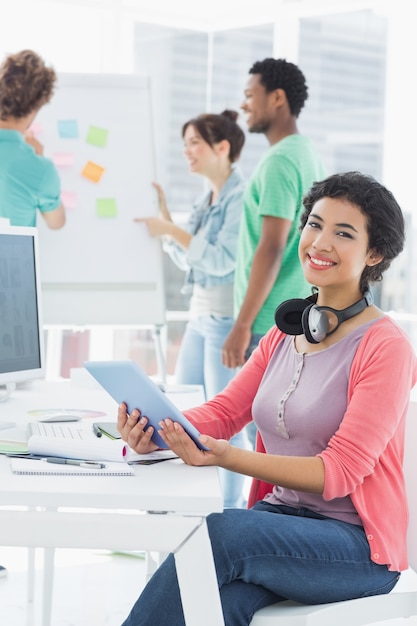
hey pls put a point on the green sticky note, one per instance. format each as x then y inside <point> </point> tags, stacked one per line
<point>97,136</point>
<point>106,207</point>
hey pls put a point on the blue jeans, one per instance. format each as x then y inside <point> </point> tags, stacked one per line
<point>200,363</point>
<point>268,554</point>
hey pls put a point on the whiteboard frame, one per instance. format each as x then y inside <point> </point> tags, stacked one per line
<point>85,305</point>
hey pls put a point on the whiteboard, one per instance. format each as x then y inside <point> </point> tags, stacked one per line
<point>101,267</point>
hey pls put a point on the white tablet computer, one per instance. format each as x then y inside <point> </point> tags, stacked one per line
<point>127,382</point>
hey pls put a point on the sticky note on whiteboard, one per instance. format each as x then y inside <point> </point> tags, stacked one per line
<point>69,199</point>
<point>106,207</point>
<point>36,128</point>
<point>92,171</point>
<point>68,129</point>
<point>63,159</point>
<point>97,136</point>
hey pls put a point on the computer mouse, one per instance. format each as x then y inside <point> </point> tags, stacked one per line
<point>61,417</point>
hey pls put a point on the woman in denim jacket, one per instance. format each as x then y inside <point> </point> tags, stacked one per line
<point>206,250</point>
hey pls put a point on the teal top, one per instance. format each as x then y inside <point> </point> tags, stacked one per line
<point>28,182</point>
<point>276,188</point>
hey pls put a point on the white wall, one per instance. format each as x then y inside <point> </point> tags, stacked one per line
<point>76,37</point>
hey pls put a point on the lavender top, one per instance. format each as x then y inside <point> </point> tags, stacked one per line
<point>299,405</point>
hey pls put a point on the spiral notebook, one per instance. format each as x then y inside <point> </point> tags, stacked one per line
<point>41,467</point>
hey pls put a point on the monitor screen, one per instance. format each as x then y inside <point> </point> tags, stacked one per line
<point>21,331</point>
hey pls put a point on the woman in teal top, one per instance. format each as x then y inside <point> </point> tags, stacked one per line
<point>29,182</point>
<point>206,250</point>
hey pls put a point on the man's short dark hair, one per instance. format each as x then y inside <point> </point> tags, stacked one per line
<point>281,74</point>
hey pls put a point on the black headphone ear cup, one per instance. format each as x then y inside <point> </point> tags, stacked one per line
<point>288,315</point>
<point>315,324</point>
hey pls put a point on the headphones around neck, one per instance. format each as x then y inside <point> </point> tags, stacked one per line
<point>302,316</point>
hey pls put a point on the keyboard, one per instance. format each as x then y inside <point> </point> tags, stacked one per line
<point>56,430</point>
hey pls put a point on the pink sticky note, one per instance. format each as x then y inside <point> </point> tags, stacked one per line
<point>69,199</point>
<point>36,128</point>
<point>63,159</point>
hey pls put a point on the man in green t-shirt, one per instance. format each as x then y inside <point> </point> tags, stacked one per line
<point>268,270</point>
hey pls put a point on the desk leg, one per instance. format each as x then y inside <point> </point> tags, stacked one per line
<point>48,581</point>
<point>31,574</point>
<point>153,561</point>
<point>197,580</point>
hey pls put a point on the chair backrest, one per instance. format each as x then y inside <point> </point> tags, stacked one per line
<point>410,472</point>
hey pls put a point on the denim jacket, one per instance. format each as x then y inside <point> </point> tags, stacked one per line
<point>210,259</point>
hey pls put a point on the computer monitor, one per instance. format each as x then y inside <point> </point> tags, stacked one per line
<point>21,331</point>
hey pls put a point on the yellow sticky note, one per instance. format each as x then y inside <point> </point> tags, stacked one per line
<point>106,207</point>
<point>97,136</point>
<point>92,171</point>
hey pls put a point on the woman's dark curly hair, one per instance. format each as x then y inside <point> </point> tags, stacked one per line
<point>214,128</point>
<point>384,218</point>
<point>281,74</point>
<point>26,84</point>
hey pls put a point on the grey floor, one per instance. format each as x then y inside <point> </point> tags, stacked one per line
<point>91,588</point>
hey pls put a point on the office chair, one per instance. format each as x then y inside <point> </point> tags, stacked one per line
<point>400,603</point>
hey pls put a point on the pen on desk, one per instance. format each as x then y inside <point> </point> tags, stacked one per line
<point>97,431</point>
<point>17,455</point>
<point>85,464</point>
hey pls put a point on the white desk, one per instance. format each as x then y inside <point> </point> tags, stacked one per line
<point>115,512</point>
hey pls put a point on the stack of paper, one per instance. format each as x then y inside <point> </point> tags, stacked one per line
<point>92,449</point>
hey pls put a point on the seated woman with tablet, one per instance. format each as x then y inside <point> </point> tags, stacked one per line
<point>330,415</point>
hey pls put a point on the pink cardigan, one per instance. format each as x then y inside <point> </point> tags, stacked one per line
<point>364,457</point>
